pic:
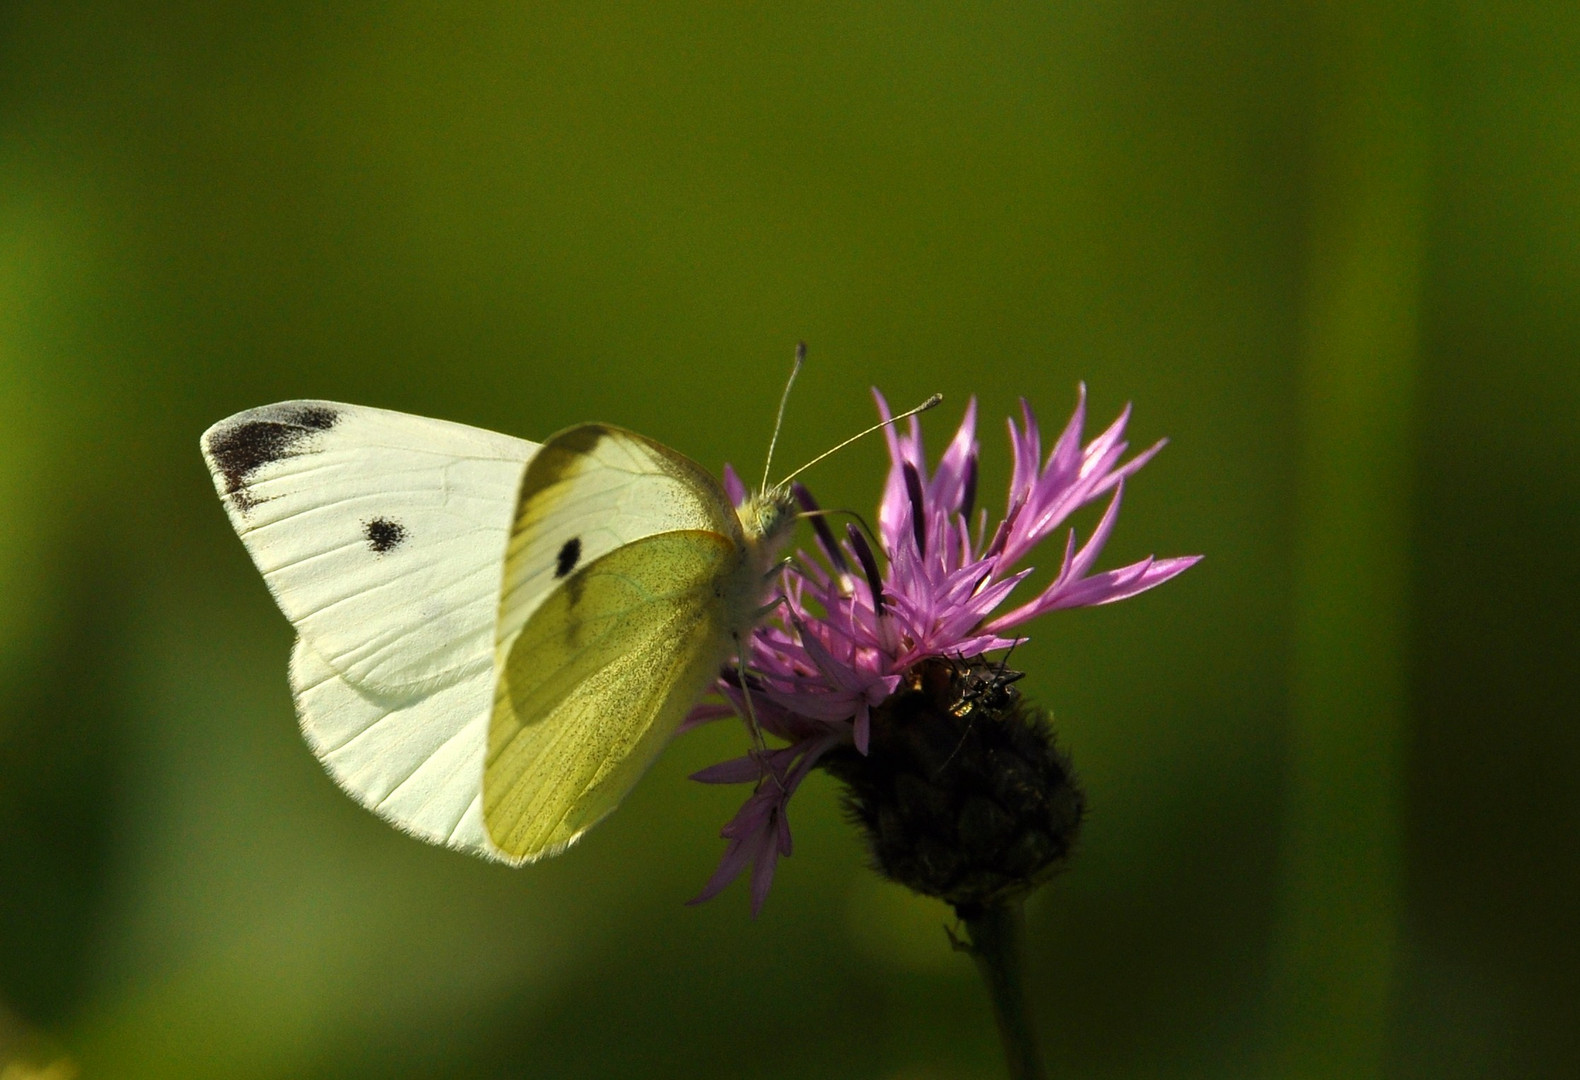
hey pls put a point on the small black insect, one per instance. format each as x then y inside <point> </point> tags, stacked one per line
<point>569,554</point>
<point>383,534</point>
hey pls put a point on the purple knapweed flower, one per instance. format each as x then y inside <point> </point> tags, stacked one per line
<point>849,629</point>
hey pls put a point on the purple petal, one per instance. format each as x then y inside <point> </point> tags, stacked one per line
<point>1065,457</point>
<point>1026,445</point>
<point>949,480</point>
<point>913,488</point>
<point>842,675</point>
<point>985,643</point>
<point>891,507</point>
<point>825,535</point>
<point>1129,468</point>
<point>766,858</point>
<point>1104,588</point>
<point>1001,535</point>
<point>869,566</point>
<point>1101,446</point>
<point>733,486</point>
<point>741,770</point>
<point>1123,583</point>
<point>748,832</point>
<point>736,855</point>
<point>703,714</point>
<point>1094,544</point>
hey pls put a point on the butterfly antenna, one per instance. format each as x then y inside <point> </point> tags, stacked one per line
<point>831,512</point>
<point>923,407</point>
<point>784,398</point>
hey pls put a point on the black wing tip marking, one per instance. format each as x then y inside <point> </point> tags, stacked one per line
<point>569,555</point>
<point>268,435</point>
<point>383,534</point>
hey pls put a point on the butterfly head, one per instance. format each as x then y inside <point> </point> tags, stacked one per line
<point>767,518</point>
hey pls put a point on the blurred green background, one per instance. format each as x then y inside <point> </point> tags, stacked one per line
<point>1330,250</point>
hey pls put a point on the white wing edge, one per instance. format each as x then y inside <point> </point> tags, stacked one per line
<point>414,760</point>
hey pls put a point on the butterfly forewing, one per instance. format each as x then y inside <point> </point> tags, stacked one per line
<point>381,535</point>
<point>593,686</point>
<point>590,490</point>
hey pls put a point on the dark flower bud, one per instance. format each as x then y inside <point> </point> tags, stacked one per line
<point>962,793</point>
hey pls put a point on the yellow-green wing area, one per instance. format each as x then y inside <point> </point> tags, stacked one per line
<point>597,681</point>
<point>589,490</point>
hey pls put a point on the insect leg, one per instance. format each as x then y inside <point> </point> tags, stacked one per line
<point>759,747</point>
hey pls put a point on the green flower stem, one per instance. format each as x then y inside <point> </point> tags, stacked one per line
<point>997,938</point>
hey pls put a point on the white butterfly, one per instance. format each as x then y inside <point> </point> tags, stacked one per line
<point>495,638</point>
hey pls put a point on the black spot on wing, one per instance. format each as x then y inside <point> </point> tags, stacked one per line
<point>569,554</point>
<point>383,534</point>
<point>241,450</point>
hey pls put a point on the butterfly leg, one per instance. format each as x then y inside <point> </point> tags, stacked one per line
<point>763,612</point>
<point>768,609</point>
<point>746,692</point>
<point>759,746</point>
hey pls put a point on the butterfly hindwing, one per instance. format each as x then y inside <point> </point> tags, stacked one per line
<point>592,687</point>
<point>381,535</point>
<point>416,760</point>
